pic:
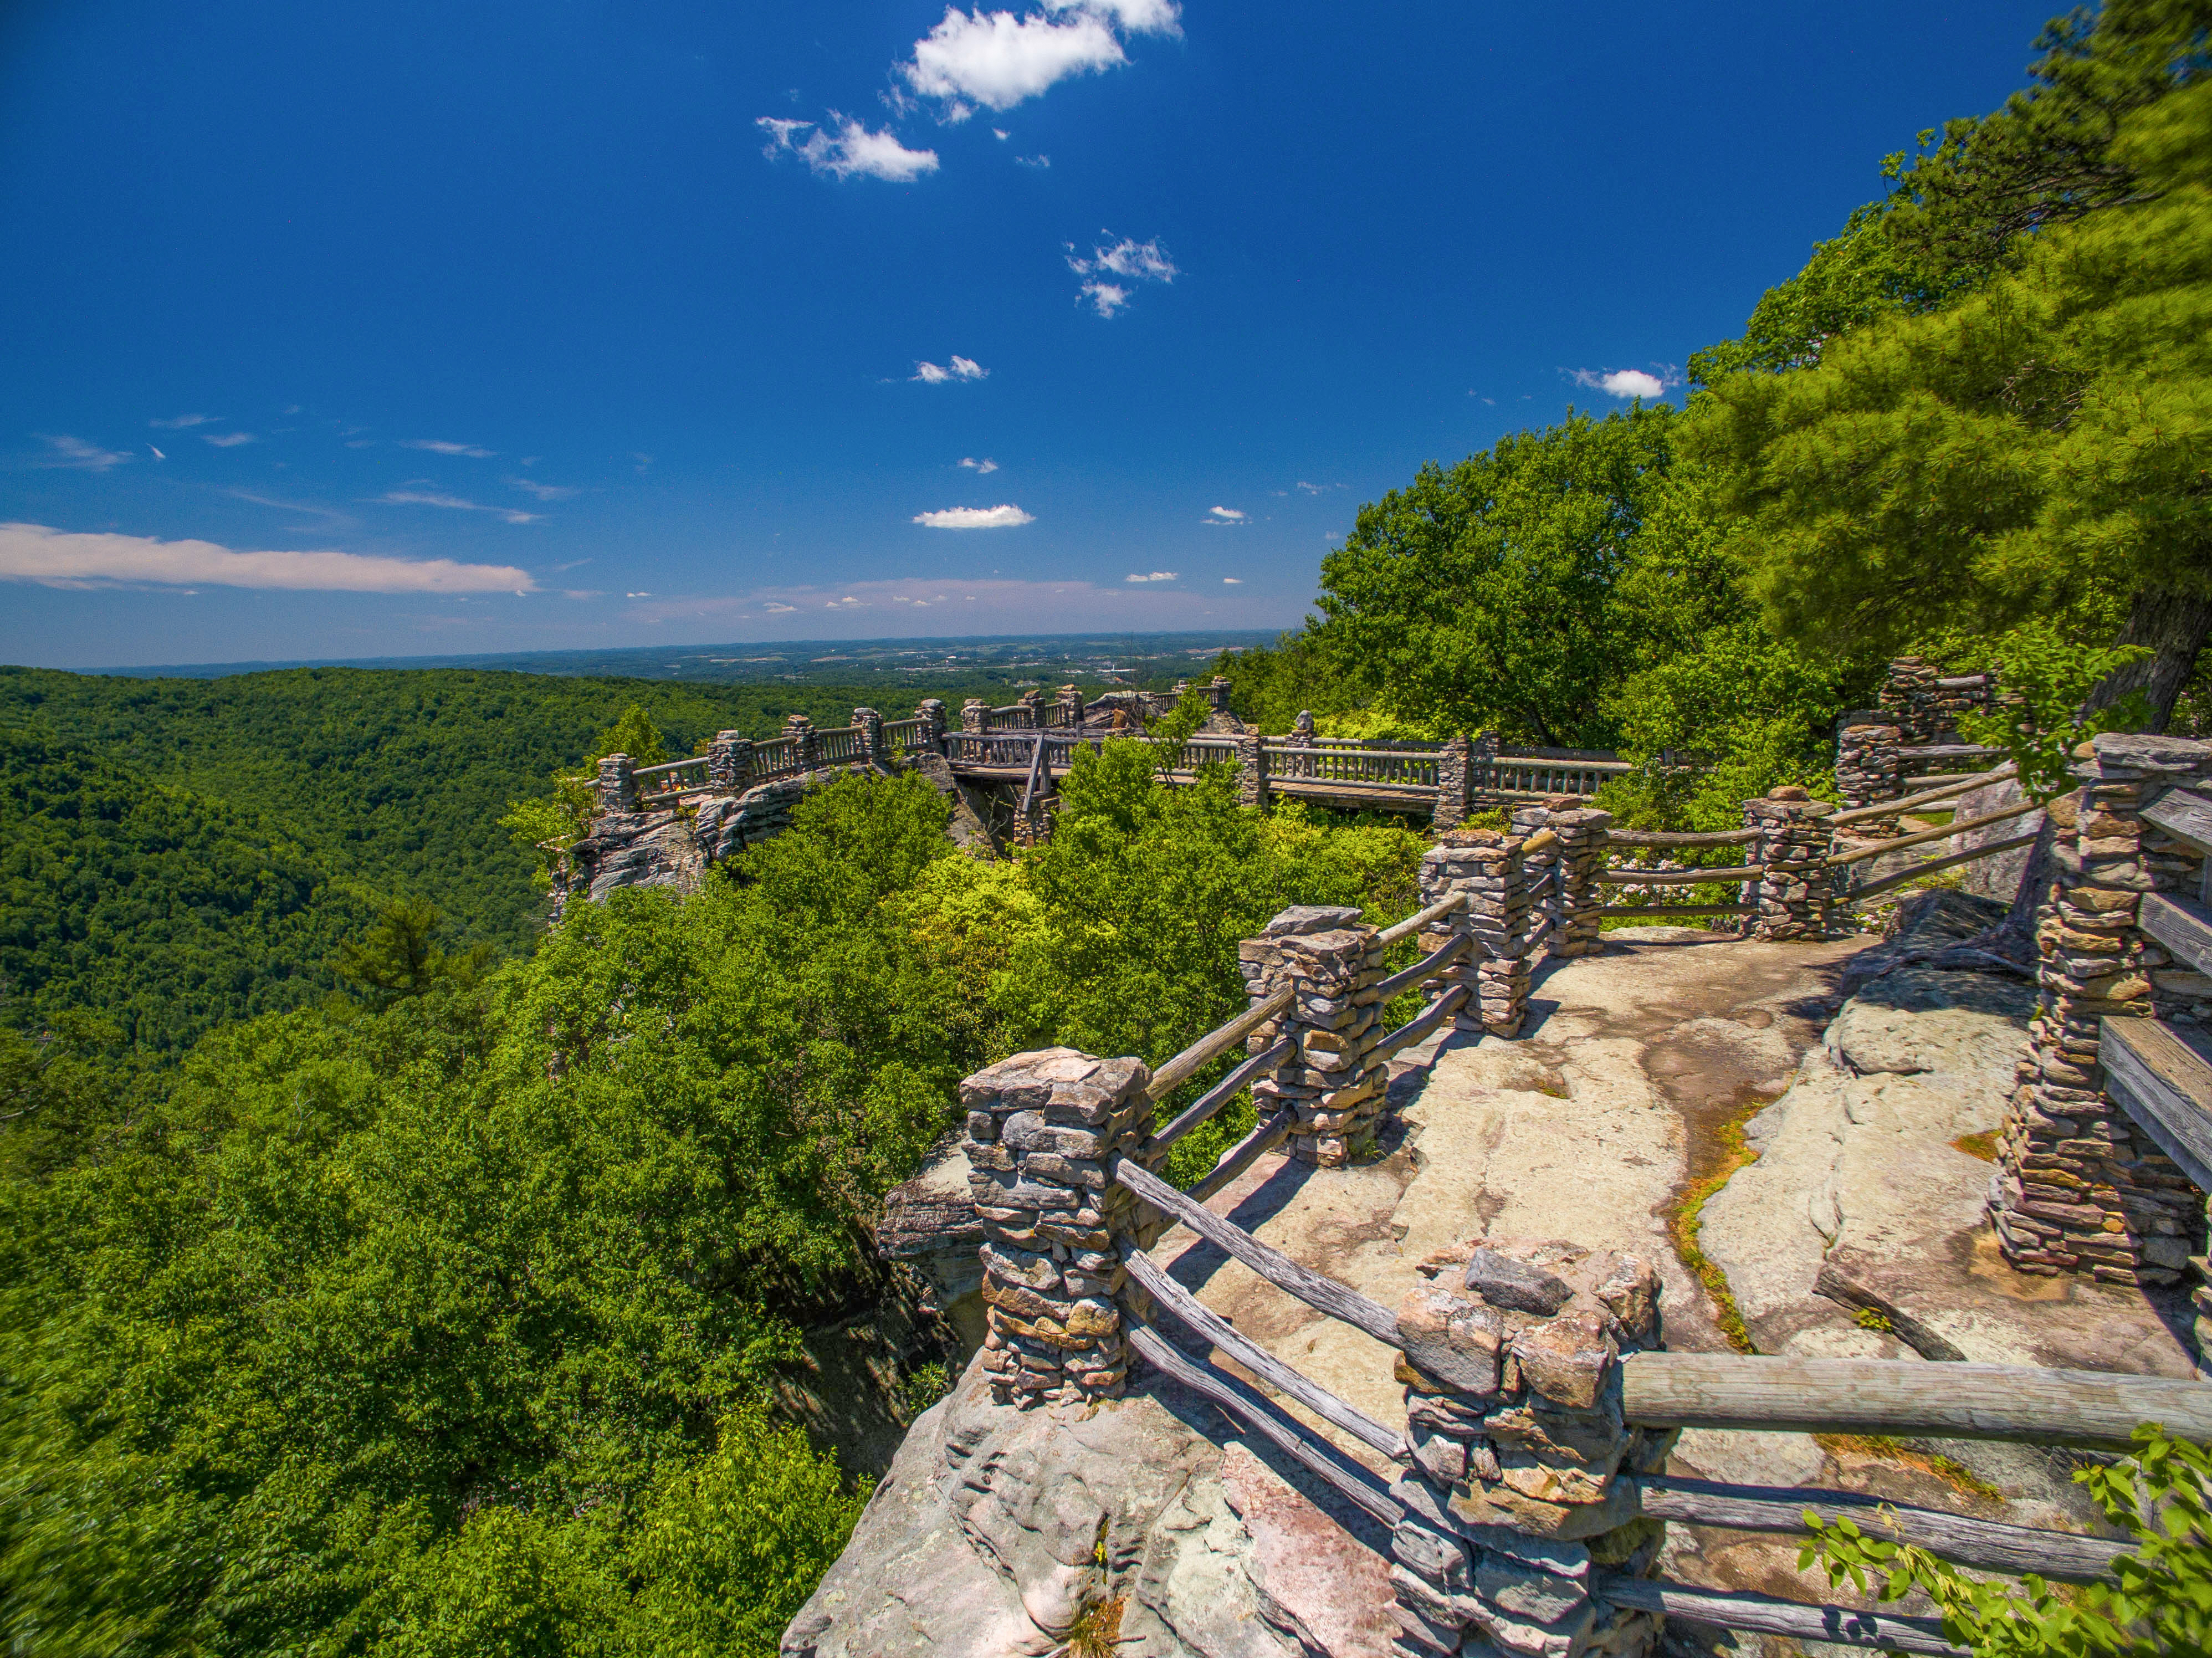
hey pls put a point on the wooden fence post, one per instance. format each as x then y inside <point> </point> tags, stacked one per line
<point>1571,866</point>
<point>2081,1188</point>
<point>1332,961</point>
<point>1522,1491</point>
<point>1252,771</point>
<point>1041,1127</point>
<point>1792,895</point>
<point>730,760</point>
<point>1489,869</point>
<point>616,789</point>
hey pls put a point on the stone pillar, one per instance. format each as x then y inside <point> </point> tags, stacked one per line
<point>1216,693</point>
<point>1332,960</point>
<point>1792,892</point>
<point>1252,771</point>
<point>1570,868</point>
<point>1489,869</point>
<point>931,712</point>
<point>975,714</point>
<point>1482,765</point>
<point>871,724</point>
<point>1521,1501</point>
<point>730,762</point>
<point>1067,706</point>
<point>1867,768</point>
<point>1908,697</point>
<point>1041,1127</point>
<point>1452,784</point>
<point>616,789</point>
<point>806,746</point>
<point>1303,738</point>
<point>1030,710</point>
<point>2079,1188</point>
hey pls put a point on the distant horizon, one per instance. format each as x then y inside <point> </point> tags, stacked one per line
<point>769,651</point>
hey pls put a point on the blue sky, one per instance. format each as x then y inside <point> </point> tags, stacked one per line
<point>343,331</point>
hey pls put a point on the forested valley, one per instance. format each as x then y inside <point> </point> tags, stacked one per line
<point>387,1272</point>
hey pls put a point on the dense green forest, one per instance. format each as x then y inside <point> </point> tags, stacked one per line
<point>362,1291</point>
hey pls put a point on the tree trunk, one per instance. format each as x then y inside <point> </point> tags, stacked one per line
<point>2174,626</point>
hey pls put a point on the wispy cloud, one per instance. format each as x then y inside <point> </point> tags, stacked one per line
<point>443,446</point>
<point>1218,516</point>
<point>1232,582</point>
<point>1128,259</point>
<point>60,558</point>
<point>960,368</point>
<point>852,151</point>
<point>180,422</point>
<point>1621,382</point>
<point>979,467</point>
<point>543,491</point>
<point>158,455</point>
<point>774,608</point>
<point>1039,160</point>
<point>288,506</point>
<point>1156,576</point>
<point>429,498</point>
<point>228,439</point>
<point>76,455</point>
<point>1317,489</point>
<point>975,518</point>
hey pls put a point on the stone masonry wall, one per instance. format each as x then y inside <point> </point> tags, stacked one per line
<point>1489,869</point>
<point>1332,962</point>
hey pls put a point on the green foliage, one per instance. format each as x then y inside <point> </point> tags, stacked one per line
<point>633,734</point>
<point>60,1093</point>
<point>157,909</point>
<point>1270,687</point>
<point>2161,1496</point>
<point>2052,680</point>
<point>398,956</point>
<point>1484,597</point>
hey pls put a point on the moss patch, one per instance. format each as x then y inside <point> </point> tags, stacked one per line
<point>1982,1146</point>
<point>1883,1448</point>
<point>1684,1221</point>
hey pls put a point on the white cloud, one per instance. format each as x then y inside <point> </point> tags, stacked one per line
<point>1222,515</point>
<point>637,595</point>
<point>1317,489</point>
<point>427,498</point>
<point>543,491</point>
<point>1156,575</point>
<point>158,455</point>
<point>975,518</point>
<point>227,439</point>
<point>986,464</point>
<point>774,607</point>
<point>1000,134</point>
<point>1233,580</point>
<point>59,558</point>
<point>852,150</point>
<point>441,446</point>
<point>961,369</point>
<point>998,59</point>
<point>1134,16</point>
<point>1038,161</point>
<point>1131,260</point>
<point>76,455</point>
<point>180,422</point>
<point>1108,297</point>
<point>1621,382</point>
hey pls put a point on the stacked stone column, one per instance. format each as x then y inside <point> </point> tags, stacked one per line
<point>1521,1500</point>
<point>1454,774</point>
<point>1304,739</point>
<point>931,712</point>
<point>1792,891</point>
<point>1569,867</point>
<point>1332,962</point>
<point>806,743</point>
<point>1489,869</point>
<point>2079,1187</point>
<point>1216,693</point>
<point>1030,707</point>
<point>1252,771</point>
<point>1067,706</point>
<point>1869,770</point>
<point>730,760</point>
<point>975,715</point>
<point>616,789</point>
<point>1041,1128</point>
<point>870,726</point>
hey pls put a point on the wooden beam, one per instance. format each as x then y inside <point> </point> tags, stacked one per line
<point>2016,1402</point>
<point>1985,1544</point>
<point>1197,1316</point>
<point>2184,814</point>
<point>1420,919</point>
<point>1880,849</point>
<point>1626,875</point>
<point>1322,1293</point>
<point>1215,1097</point>
<point>1179,1070</point>
<point>1680,909</point>
<point>1671,838</point>
<point>1242,1155</point>
<point>1891,808</point>
<point>1767,1615</point>
<point>1450,950</point>
<point>2182,926</point>
<point>1248,1407</point>
<point>1949,752</point>
<point>2165,1086</point>
<point>1890,883</point>
<point>1419,1025</point>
